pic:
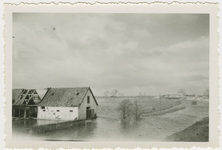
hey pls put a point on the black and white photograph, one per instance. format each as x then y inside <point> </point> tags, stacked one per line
<point>85,77</point>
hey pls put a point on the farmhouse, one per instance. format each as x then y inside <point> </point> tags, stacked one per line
<point>68,104</point>
<point>24,102</point>
<point>190,97</point>
<point>202,98</point>
<point>173,96</point>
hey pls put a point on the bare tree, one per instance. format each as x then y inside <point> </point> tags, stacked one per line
<point>120,94</point>
<point>125,109</point>
<point>137,110</point>
<point>110,96</point>
<point>106,94</point>
<point>140,96</point>
<point>113,94</point>
<point>182,91</point>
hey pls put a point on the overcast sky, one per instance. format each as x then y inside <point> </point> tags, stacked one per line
<point>133,53</point>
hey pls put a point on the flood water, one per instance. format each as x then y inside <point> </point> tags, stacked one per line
<point>152,128</point>
<point>95,129</point>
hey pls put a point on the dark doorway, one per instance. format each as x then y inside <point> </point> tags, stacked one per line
<point>27,114</point>
<point>16,112</point>
<point>33,112</point>
<point>88,113</point>
<point>21,113</point>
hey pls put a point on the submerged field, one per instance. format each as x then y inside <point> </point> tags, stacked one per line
<point>162,119</point>
<point>168,117</point>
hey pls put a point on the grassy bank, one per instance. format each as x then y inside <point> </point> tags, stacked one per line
<point>164,111</point>
<point>198,132</point>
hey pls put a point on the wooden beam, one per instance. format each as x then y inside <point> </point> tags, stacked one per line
<point>24,113</point>
<point>29,113</point>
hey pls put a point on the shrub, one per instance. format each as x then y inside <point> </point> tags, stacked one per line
<point>125,109</point>
<point>194,103</point>
<point>137,110</point>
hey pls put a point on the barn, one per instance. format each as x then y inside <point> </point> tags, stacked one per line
<point>24,102</point>
<point>68,104</point>
<point>175,96</point>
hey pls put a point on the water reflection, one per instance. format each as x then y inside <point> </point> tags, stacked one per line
<point>128,128</point>
<point>153,128</point>
<point>21,129</point>
<point>85,130</point>
<point>82,131</point>
<point>98,129</point>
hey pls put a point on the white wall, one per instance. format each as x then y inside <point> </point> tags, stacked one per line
<point>92,105</point>
<point>58,113</point>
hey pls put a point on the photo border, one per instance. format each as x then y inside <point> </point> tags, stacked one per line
<point>197,8</point>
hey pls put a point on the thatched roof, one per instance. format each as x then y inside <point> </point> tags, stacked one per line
<point>65,97</point>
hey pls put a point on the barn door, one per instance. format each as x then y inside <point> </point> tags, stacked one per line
<point>92,113</point>
<point>88,113</point>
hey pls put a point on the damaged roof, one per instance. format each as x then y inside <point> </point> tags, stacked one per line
<point>65,97</point>
<point>16,95</point>
<point>25,96</point>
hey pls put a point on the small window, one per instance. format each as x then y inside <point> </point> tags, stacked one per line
<point>43,107</point>
<point>88,99</point>
<point>57,110</point>
<point>77,93</point>
<point>44,110</point>
<point>70,110</point>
